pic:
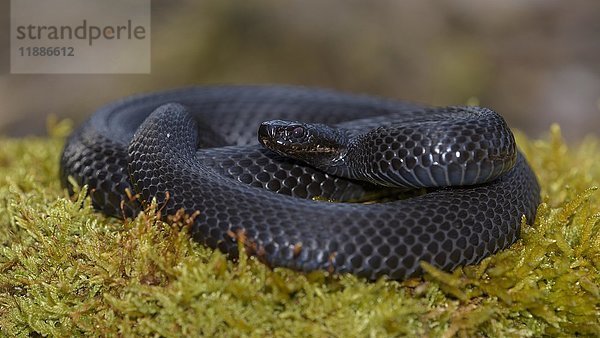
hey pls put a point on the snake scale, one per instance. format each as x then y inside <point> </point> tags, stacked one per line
<point>197,149</point>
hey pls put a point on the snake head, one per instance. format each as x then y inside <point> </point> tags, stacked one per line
<point>316,144</point>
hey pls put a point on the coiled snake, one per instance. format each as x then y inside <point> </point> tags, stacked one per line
<point>197,149</point>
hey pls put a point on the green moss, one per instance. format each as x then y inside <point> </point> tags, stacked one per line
<point>66,270</point>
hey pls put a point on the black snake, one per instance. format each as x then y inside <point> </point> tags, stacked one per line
<point>197,149</point>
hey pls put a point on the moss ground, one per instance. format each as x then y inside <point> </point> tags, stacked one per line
<point>68,271</point>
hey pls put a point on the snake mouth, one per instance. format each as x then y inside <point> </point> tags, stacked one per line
<point>266,134</point>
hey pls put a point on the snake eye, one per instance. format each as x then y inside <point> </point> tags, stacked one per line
<point>298,132</point>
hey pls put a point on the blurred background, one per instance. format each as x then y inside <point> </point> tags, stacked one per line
<point>536,62</point>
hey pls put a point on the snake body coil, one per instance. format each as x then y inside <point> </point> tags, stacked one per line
<point>196,149</point>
